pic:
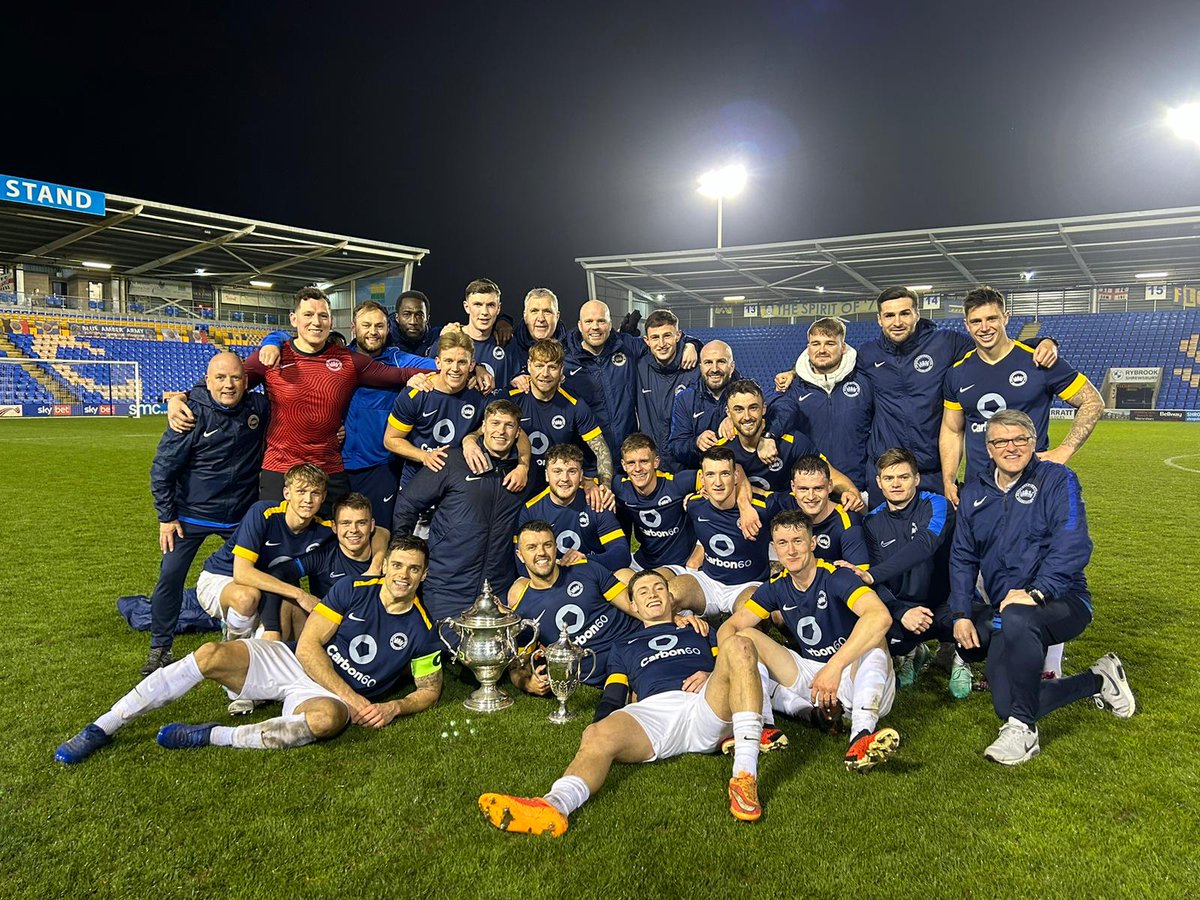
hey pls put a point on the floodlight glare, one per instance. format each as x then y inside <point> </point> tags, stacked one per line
<point>919,287</point>
<point>89,264</point>
<point>820,288</point>
<point>1027,276</point>
<point>726,182</point>
<point>201,271</point>
<point>261,284</point>
<point>1185,121</point>
<point>734,298</point>
<point>1151,274</point>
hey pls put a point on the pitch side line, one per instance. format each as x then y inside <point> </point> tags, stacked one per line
<point>1170,461</point>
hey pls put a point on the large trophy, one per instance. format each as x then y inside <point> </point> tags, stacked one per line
<point>487,643</point>
<point>564,660</point>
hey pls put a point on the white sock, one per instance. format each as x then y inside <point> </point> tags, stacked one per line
<point>747,733</point>
<point>1054,660</point>
<point>768,688</point>
<point>157,689</point>
<point>568,794</point>
<point>237,625</point>
<point>867,690</point>
<point>279,733</point>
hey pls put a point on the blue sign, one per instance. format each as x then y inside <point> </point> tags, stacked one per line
<point>51,196</point>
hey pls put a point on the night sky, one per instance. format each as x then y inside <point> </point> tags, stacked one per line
<point>510,138</point>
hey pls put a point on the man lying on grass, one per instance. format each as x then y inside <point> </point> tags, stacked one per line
<point>362,639</point>
<point>686,702</point>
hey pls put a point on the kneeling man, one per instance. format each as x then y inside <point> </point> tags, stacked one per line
<point>688,700</point>
<point>363,638</point>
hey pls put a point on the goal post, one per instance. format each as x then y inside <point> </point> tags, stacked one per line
<point>36,388</point>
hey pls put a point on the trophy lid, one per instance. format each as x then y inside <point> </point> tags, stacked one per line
<point>485,612</point>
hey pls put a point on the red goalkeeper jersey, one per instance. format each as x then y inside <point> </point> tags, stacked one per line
<point>309,394</point>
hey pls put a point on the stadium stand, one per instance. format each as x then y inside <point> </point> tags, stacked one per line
<point>170,356</point>
<point>1093,343</point>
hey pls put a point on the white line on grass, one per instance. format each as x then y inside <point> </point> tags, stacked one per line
<point>1170,461</point>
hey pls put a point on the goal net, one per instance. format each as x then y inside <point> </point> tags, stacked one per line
<point>69,387</point>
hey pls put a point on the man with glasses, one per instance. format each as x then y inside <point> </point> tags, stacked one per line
<point>1023,528</point>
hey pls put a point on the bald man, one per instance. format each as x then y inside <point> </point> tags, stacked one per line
<point>203,481</point>
<point>602,367</point>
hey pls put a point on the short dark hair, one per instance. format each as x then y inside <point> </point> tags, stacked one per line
<point>895,293</point>
<point>661,317</point>
<point>982,296</point>
<point>811,464</point>
<point>367,306</point>
<point>482,286</point>
<point>413,295</point>
<point>638,441</point>
<point>502,408</point>
<point>541,526</point>
<point>564,453</point>
<point>895,457</point>
<point>638,576</point>
<point>308,293</point>
<point>830,326</point>
<point>408,542</point>
<point>791,518</point>
<point>353,500</point>
<point>744,386</point>
<point>718,454</point>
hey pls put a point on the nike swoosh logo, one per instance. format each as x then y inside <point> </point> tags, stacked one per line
<point>474,477</point>
<point>979,501</point>
<point>355,618</point>
<point>287,365</point>
<point>575,371</point>
<point>428,414</point>
<point>388,498</point>
<point>698,519</point>
<point>527,420</point>
<point>790,608</point>
<point>211,433</point>
<point>878,364</point>
<point>273,543</point>
<point>647,390</point>
<point>805,397</point>
<point>887,543</point>
<point>336,574</point>
<point>963,390</point>
<point>697,415</point>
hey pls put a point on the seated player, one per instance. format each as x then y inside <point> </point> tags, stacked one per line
<point>234,578</point>
<point>583,596</point>
<point>551,416</point>
<point>838,531</point>
<point>424,425</point>
<point>651,503</point>
<point>838,624</point>
<point>581,531</point>
<point>366,636</point>
<point>1022,527</point>
<point>725,567</point>
<point>909,539</point>
<point>688,699</point>
<point>351,556</point>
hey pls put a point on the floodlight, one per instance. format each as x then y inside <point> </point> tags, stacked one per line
<point>1185,121</point>
<point>726,182</point>
<point>89,264</point>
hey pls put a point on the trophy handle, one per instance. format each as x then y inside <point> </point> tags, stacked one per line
<point>523,658</point>
<point>595,659</point>
<point>442,623</point>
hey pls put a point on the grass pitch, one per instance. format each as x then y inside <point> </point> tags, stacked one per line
<point>1109,809</point>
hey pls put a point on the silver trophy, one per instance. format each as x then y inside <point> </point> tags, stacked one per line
<point>564,662</point>
<point>487,644</point>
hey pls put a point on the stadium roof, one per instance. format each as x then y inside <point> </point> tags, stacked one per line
<point>156,241</point>
<point>1085,251</point>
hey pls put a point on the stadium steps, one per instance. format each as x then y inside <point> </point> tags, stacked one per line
<point>1029,331</point>
<point>56,390</point>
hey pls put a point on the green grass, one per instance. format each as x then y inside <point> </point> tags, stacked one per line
<point>1110,808</point>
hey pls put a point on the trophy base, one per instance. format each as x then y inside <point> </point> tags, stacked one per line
<point>560,717</point>
<point>488,699</point>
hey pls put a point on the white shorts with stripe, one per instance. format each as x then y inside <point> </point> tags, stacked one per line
<point>276,674</point>
<point>678,722</point>
<point>636,566</point>
<point>794,702</point>
<point>718,597</point>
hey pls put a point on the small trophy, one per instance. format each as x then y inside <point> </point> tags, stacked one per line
<point>487,643</point>
<point>564,661</point>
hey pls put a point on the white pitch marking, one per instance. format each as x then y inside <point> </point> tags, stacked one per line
<point>1170,461</point>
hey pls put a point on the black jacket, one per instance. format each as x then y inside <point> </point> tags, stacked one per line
<point>209,476</point>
